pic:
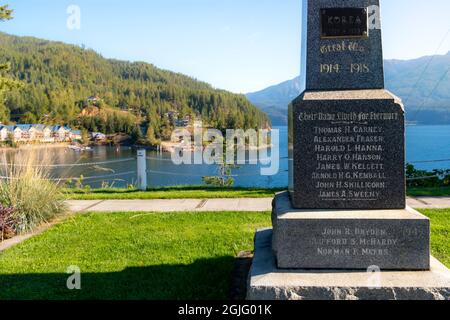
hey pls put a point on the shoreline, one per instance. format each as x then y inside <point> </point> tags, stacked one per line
<point>169,147</point>
<point>36,146</point>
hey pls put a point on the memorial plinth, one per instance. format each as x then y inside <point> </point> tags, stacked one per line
<point>268,282</point>
<point>349,239</point>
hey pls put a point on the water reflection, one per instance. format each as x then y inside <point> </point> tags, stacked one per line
<point>66,164</point>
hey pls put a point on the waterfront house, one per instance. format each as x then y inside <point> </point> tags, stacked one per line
<point>33,134</point>
<point>38,133</point>
<point>69,133</point>
<point>76,135</point>
<point>4,132</point>
<point>98,136</point>
<point>182,123</point>
<point>17,133</point>
<point>28,132</point>
<point>22,132</point>
<point>47,135</point>
<point>60,133</point>
<point>94,100</point>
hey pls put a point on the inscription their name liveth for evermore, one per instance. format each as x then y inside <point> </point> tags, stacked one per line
<point>348,116</point>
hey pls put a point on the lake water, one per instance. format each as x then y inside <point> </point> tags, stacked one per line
<point>424,144</point>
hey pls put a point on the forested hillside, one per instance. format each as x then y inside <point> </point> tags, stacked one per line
<point>58,78</point>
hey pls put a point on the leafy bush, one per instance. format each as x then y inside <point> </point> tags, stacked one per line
<point>426,179</point>
<point>7,223</point>
<point>26,187</point>
<point>223,178</point>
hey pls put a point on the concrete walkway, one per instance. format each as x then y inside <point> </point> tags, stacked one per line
<point>429,202</point>
<point>6,244</point>
<point>178,205</point>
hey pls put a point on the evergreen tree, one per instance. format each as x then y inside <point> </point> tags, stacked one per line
<point>5,83</point>
<point>150,137</point>
<point>5,13</point>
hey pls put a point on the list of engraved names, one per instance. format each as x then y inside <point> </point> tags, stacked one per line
<point>349,154</point>
<point>345,241</point>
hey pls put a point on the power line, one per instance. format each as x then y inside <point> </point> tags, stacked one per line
<point>248,161</point>
<point>422,178</point>
<point>68,165</point>
<point>77,178</point>
<point>427,66</point>
<point>429,96</point>
<point>204,175</point>
<point>430,161</point>
<point>176,174</point>
<point>104,176</point>
<point>159,159</point>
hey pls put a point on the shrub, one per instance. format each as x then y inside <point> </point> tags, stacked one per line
<point>26,187</point>
<point>7,223</point>
<point>426,179</point>
<point>223,178</point>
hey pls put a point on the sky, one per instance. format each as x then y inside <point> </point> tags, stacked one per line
<point>237,45</point>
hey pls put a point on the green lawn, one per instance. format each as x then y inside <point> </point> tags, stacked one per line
<point>132,256</point>
<point>429,192</point>
<point>440,234</point>
<point>169,193</point>
<point>147,256</point>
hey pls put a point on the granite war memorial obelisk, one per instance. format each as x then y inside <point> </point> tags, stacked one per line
<point>345,213</point>
<point>348,132</point>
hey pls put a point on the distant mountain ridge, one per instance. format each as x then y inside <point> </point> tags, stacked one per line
<point>274,100</point>
<point>404,78</point>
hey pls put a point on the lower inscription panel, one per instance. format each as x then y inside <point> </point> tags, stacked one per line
<point>369,240</point>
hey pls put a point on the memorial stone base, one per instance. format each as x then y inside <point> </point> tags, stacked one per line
<point>349,239</point>
<point>268,282</point>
